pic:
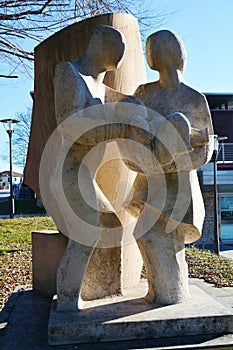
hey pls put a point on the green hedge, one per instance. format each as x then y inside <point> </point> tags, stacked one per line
<point>22,206</point>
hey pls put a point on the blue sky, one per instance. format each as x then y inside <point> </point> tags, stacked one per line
<point>206,28</point>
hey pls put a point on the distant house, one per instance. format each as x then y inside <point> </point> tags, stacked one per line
<point>5,179</point>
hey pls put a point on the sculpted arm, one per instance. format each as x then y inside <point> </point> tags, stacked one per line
<point>201,119</point>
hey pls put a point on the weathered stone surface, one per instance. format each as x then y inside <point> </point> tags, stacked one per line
<point>131,317</point>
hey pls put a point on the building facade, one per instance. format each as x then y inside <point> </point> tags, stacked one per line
<point>5,179</point>
<point>221,107</point>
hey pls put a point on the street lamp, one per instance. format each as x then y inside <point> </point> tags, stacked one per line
<point>10,130</point>
<point>216,218</point>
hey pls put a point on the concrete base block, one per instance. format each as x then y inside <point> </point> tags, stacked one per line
<point>48,246</point>
<point>131,317</point>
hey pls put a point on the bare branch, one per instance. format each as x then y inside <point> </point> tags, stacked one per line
<point>21,137</point>
<point>23,14</point>
<point>13,53</point>
<point>8,76</point>
<point>21,20</point>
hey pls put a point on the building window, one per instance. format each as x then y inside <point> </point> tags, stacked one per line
<point>226,207</point>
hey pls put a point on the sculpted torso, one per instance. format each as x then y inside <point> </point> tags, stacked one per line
<point>166,54</point>
<point>76,91</point>
<point>183,99</point>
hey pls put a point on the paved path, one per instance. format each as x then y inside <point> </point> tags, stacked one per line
<point>24,322</point>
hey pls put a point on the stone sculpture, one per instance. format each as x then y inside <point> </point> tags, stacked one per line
<point>177,131</point>
<point>162,134</point>
<point>182,217</point>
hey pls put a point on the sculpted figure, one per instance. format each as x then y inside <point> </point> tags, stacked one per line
<point>180,221</point>
<point>79,84</point>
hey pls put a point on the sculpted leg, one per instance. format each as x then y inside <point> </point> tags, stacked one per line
<point>82,240</point>
<point>164,258</point>
<point>104,262</point>
<point>70,275</point>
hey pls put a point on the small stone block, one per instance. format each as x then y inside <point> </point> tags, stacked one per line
<point>131,317</point>
<point>48,247</point>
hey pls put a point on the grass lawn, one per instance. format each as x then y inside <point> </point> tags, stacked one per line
<point>15,251</point>
<point>16,262</point>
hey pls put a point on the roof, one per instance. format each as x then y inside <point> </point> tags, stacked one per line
<point>216,99</point>
<point>225,166</point>
<point>7,173</point>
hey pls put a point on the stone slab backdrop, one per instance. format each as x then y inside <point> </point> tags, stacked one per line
<point>67,45</point>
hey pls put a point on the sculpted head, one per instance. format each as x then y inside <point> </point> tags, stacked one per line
<point>165,48</point>
<point>107,45</point>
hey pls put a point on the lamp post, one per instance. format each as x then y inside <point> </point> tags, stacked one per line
<point>216,217</point>
<point>10,130</point>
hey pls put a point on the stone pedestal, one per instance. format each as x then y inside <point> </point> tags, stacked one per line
<point>131,317</point>
<point>47,249</point>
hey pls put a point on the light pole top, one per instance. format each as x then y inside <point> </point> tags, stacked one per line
<point>218,138</point>
<point>222,138</point>
<point>9,122</point>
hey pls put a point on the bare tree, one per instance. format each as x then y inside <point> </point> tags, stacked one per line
<point>25,22</point>
<point>21,137</point>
